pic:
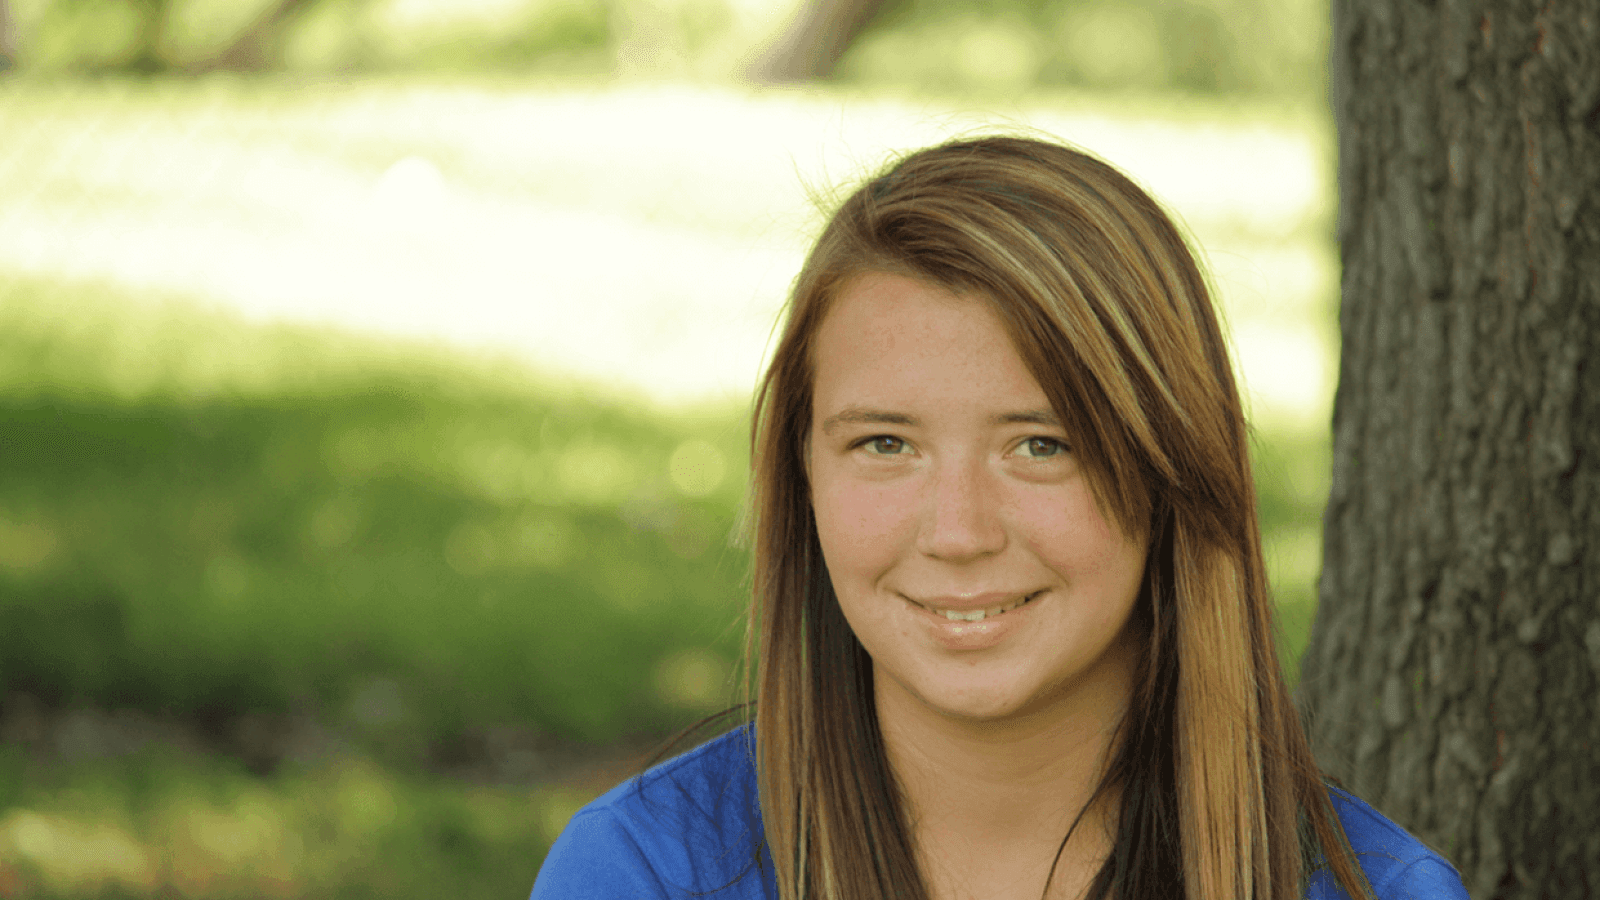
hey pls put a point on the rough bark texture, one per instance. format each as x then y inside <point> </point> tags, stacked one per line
<point>1454,667</point>
<point>811,47</point>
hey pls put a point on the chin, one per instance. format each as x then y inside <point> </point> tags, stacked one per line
<point>977,706</point>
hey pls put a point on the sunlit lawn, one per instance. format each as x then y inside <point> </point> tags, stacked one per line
<point>500,493</point>
<point>157,824</point>
<point>640,235</point>
<point>269,524</point>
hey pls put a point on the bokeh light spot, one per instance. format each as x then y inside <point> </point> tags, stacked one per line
<point>691,679</point>
<point>696,467</point>
<point>593,473</point>
<point>75,857</point>
<point>546,541</point>
<point>26,546</point>
<point>411,190</point>
<point>366,804</point>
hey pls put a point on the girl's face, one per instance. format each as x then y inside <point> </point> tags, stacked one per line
<point>962,537</point>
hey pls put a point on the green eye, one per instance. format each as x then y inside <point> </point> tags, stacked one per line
<point>1042,447</point>
<point>883,445</point>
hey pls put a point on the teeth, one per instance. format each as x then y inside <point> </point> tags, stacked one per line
<point>978,615</point>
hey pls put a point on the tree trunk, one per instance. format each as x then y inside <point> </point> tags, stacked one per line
<point>1454,667</point>
<point>8,37</point>
<point>811,46</point>
<point>150,55</point>
<point>258,46</point>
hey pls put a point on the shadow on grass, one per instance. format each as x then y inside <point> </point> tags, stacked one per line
<point>481,560</point>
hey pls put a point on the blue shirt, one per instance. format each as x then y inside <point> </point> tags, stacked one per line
<point>692,826</point>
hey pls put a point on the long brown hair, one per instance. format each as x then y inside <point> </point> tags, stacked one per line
<point>1220,796</point>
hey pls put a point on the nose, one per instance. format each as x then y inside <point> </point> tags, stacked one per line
<point>961,519</point>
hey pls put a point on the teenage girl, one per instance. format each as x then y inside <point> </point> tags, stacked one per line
<point>1011,629</point>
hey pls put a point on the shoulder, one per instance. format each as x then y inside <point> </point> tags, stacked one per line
<point>689,825</point>
<point>1397,865</point>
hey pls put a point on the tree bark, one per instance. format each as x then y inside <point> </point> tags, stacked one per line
<point>1454,667</point>
<point>812,45</point>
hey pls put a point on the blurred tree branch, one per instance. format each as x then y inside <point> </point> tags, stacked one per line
<point>257,47</point>
<point>814,41</point>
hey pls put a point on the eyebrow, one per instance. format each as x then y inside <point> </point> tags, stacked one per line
<point>856,415</point>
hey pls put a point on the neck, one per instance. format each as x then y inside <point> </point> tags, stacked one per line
<point>1003,781</point>
<point>1005,793</point>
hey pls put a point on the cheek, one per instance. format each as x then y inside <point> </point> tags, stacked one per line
<point>859,528</point>
<point>1071,534</point>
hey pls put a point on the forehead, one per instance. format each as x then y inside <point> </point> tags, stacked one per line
<point>897,342</point>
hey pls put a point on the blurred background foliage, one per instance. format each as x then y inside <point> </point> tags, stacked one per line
<point>297,609</point>
<point>1260,47</point>
<point>385,541</point>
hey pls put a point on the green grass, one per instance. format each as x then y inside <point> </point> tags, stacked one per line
<point>158,824</point>
<point>187,536</point>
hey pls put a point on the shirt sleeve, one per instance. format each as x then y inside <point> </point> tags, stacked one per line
<point>1428,878</point>
<point>595,858</point>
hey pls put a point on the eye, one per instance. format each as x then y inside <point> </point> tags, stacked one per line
<point>884,445</point>
<point>1041,448</point>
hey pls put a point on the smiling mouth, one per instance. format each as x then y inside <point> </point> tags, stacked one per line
<point>978,615</point>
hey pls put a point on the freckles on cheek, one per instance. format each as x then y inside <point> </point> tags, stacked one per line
<point>857,528</point>
<point>868,514</point>
<point>1077,530</point>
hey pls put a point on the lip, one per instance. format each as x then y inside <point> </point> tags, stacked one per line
<point>967,636</point>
